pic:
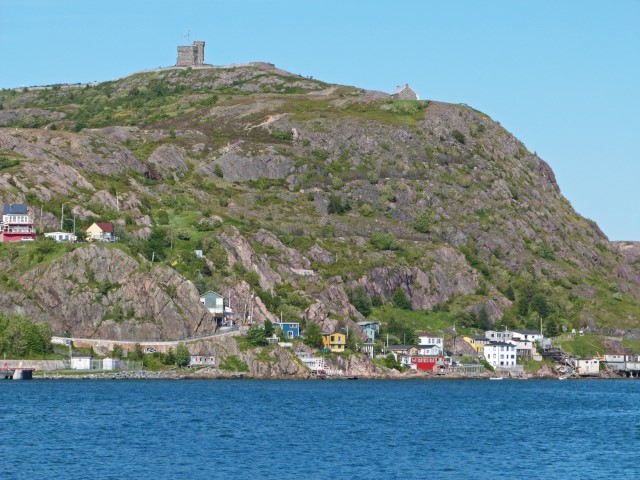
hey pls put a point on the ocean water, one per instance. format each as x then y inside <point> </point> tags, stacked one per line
<point>439,429</point>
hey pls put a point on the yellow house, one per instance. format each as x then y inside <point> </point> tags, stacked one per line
<point>477,343</point>
<point>335,342</point>
<point>101,231</point>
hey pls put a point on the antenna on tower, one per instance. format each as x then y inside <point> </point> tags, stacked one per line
<point>187,35</point>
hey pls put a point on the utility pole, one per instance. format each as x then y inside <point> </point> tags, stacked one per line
<point>62,219</point>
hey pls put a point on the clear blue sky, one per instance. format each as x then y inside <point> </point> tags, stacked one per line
<point>563,76</point>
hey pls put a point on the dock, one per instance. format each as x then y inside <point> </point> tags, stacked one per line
<point>16,373</point>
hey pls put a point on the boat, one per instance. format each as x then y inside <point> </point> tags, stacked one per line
<point>496,378</point>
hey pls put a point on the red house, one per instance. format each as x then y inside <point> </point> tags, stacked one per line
<point>429,363</point>
<point>16,224</point>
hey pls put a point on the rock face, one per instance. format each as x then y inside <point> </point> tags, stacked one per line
<point>448,275</point>
<point>102,292</point>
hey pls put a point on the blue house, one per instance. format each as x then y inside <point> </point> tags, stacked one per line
<point>289,329</point>
<point>371,329</point>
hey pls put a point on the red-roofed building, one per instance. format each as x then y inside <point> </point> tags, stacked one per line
<point>16,223</point>
<point>101,232</point>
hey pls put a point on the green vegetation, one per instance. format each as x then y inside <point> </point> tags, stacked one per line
<point>232,363</point>
<point>313,335</point>
<point>20,337</point>
<point>183,356</point>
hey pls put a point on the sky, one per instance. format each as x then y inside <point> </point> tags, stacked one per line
<point>562,76</point>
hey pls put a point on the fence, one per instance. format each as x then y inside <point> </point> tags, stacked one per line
<point>475,369</point>
<point>115,364</point>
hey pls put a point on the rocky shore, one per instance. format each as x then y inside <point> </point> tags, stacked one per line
<point>214,373</point>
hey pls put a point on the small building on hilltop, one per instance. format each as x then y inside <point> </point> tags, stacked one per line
<point>16,223</point>
<point>404,93</point>
<point>191,55</point>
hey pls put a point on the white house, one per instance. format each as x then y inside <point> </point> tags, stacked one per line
<point>430,340</point>
<point>61,236</point>
<point>498,335</point>
<point>530,335</point>
<point>81,362</point>
<point>429,350</point>
<point>587,366</point>
<point>111,364</point>
<point>500,354</point>
<point>206,360</point>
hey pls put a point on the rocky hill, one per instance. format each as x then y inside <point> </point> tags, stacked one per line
<point>308,199</point>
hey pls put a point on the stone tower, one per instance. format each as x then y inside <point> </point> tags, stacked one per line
<point>191,55</point>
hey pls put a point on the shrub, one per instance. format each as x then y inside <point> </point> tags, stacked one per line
<point>383,241</point>
<point>459,136</point>
<point>184,234</point>
<point>423,221</point>
<point>163,217</point>
<point>218,171</point>
<point>337,205</point>
<point>7,163</point>
<point>284,135</point>
<point>400,300</point>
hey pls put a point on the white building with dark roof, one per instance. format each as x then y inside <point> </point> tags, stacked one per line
<point>500,354</point>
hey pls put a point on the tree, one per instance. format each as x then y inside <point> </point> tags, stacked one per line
<point>400,300</point>
<point>182,355</point>
<point>540,304</point>
<point>268,328</point>
<point>154,248</point>
<point>313,335</point>
<point>391,362</point>
<point>170,357</point>
<point>360,300</point>
<point>138,351</point>
<point>256,336</point>
<point>484,322</point>
<point>117,351</point>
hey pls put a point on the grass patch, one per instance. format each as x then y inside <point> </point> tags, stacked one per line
<point>233,364</point>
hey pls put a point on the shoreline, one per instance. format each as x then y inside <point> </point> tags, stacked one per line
<point>196,375</point>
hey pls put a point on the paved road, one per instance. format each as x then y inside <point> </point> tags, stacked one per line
<point>144,343</point>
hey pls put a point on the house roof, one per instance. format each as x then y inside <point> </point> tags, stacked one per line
<point>501,344</point>
<point>212,292</point>
<point>400,347</point>
<point>480,337</point>
<point>428,334</point>
<point>528,332</point>
<point>105,226</point>
<point>14,209</point>
<point>427,346</point>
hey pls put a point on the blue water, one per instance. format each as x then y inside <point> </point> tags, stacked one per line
<point>320,429</point>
